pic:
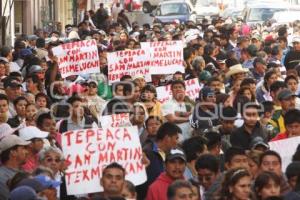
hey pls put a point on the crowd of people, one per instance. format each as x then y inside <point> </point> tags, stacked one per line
<point>215,147</point>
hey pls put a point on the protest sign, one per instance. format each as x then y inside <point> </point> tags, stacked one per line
<point>115,120</point>
<point>77,58</point>
<point>193,88</point>
<point>128,62</point>
<point>286,149</point>
<point>89,151</point>
<point>166,57</point>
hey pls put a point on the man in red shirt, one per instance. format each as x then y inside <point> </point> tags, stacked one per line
<point>292,125</point>
<point>174,168</point>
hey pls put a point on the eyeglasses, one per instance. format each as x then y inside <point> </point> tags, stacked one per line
<point>93,86</point>
<point>57,160</point>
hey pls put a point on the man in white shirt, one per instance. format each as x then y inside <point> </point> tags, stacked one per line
<point>176,110</point>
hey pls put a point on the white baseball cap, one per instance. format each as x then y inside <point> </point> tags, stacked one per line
<point>31,132</point>
<point>296,39</point>
<point>10,141</point>
<point>5,130</point>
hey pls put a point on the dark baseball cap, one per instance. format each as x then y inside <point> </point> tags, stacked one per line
<point>259,60</point>
<point>285,94</point>
<point>207,91</point>
<point>252,50</point>
<point>175,154</point>
<point>258,141</point>
<point>34,184</point>
<point>11,82</point>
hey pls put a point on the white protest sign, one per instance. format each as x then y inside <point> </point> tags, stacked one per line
<point>192,90</point>
<point>128,62</point>
<point>115,120</point>
<point>77,58</point>
<point>89,151</point>
<point>286,149</point>
<point>166,57</point>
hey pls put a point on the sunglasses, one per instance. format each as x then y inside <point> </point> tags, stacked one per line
<point>57,160</point>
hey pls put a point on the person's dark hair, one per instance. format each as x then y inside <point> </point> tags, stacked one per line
<point>152,117</point>
<point>187,52</point>
<point>267,76</point>
<point>231,62</point>
<point>20,98</point>
<point>40,119</point>
<point>147,26</point>
<point>4,156</point>
<point>275,198</point>
<point>193,146</point>
<point>35,79</point>
<point>43,95</point>
<point>263,179</point>
<point>213,139</point>
<point>275,50</point>
<point>175,82</point>
<point>130,187</point>
<point>167,129</point>
<point>221,98</point>
<point>16,179</point>
<point>240,102</point>
<point>197,46</point>
<point>247,82</point>
<point>231,178</point>
<point>149,88</point>
<point>296,156</point>
<point>292,170</point>
<point>40,43</point>
<point>4,97</point>
<point>178,184</point>
<point>277,85</point>
<point>114,165</point>
<point>269,153</point>
<point>212,79</point>
<point>128,87</point>
<point>282,31</point>
<point>228,113</point>
<point>124,77</point>
<point>281,38</point>
<point>233,151</point>
<point>268,106</point>
<point>291,77</point>
<point>209,48</point>
<point>292,116</point>
<point>208,161</point>
<point>73,99</point>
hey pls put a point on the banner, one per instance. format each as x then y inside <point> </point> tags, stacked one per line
<point>77,58</point>
<point>192,89</point>
<point>89,151</point>
<point>164,57</point>
<point>115,120</point>
<point>128,62</point>
<point>286,149</point>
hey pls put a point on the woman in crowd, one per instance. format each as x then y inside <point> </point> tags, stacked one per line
<point>267,184</point>
<point>148,97</point>
<point>263,91</point>
<point>253,160</point>
<point>236,185</point>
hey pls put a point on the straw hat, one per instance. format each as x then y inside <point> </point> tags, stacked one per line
<point>235,69</point>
